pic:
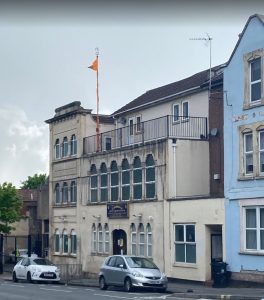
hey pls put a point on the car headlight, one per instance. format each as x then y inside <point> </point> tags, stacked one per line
<point>163,275</point>
<point>137,274</point>
<point>57,270</point>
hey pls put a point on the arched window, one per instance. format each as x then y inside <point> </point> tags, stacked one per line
<point>125,180</point>
<point>57,241</point>
<point>65,192</point>
<point>106,238</point>
<point>94,239</point>
<point>94,184</point>
<point>65,147</point>
<point>137,179</point>
<point>104,180</point>
<point>57,193</point>
<point>73,192</point>
<point>141,239</point>
<point>73,242</point>
<point>57,148</point>
<point>65,241</point>
<point>150,177</point>
<point>149,241</point>
<point>73,145</point>
<point>100,238</point>
<point>133,239</point>
<point>114,181</point>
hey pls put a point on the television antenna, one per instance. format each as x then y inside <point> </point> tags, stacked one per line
<point>207,40</point>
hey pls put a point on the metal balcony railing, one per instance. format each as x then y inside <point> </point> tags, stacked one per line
<point>164,127</point>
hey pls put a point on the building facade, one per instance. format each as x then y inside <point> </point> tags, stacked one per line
<point>149,183</point>
<point>244,160</point>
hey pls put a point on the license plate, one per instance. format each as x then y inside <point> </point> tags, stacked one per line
<point>49,275</point>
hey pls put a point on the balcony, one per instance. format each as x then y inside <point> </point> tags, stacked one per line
<point>194,128</point>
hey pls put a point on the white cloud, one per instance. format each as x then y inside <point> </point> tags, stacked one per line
<point>26,146</point>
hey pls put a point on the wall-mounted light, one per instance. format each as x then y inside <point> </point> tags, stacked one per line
<point>97,217</point>
<point>138,216</point>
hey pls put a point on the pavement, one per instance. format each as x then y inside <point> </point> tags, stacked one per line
<point>185,289</point>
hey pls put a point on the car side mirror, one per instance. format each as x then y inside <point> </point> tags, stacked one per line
<point>121,266</point>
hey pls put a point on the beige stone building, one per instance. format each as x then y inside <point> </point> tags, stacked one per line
<point>150,183</point>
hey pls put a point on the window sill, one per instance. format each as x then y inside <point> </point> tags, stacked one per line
<point>65,205</point>
<point>250,105</point>
<point>185,265</point>
<point>124,201</point>
<point>255,177</point>
<point>65,158</point>
<point>100,254</point>
<point>256,253</point>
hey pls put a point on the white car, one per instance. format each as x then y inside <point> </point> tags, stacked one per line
<point>36,269</point>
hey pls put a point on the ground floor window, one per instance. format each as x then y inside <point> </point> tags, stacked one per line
<point>65,244</point>
<point>185,245</point>
<point>254,228</point>
<point>100,238</point>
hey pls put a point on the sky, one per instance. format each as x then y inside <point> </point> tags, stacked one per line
<point>45,50</point>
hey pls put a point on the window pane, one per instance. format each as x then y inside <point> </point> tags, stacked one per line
<point>262,239</point>
<point>104,180</point>
<point>248,142</point>
<point>149,250</point>
<point>179,233</point>
<point>261,212</point>
<point>125,177</point>
<point>142,238</point>
<point>141,250</point>
<point>114,194</point>
<point>134,238</point>
<point>137,191</point>
<point>251,218</point>
<point>150,174</point>
<point>176,112</point>
<point>125,192</point>
<point>190,253</point>
<point>180,252</point>
<point>93,195</point>
<point>114,179</point>
<point>190,234</point>
<point>134,249</point>
<point>261,140</point>
<point>255,69</point>
<point>256,91</point>
<point>150,190</point>
<point>93,181</point>
<point>137,176</point>
<point>185,109</point>
<point>249,163</point>
<point>261,162</point>
<point>251,239</point>
<point>104,195</point>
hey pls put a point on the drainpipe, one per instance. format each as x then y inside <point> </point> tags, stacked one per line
<point>174,146</point>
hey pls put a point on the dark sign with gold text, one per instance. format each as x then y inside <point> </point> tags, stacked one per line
<point>117,210</point>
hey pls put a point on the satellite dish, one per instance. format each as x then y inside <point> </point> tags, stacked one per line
<point>214,132</point>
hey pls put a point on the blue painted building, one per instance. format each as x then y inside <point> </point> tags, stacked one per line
<point>244,153</point>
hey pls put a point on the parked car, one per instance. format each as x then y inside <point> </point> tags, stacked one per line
<point>130,272</point>
<point>36,269</point>
<point>20,253</point>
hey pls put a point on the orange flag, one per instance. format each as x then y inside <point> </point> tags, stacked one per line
<point>94,65</point>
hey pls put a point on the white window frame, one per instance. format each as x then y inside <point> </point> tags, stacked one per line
<point>138,125</point>
<point>105,139</point>
<point>73,192</point>
<point>106,239</point>
<point>57,149</point>
<point>149,241</point>
<point>57,238</point>
<point>73,246</point>
<point>65,192</point>
<point>100,239</point>
<point>256,81</point>
<point>73,145</point>
<point>185,243</point>
<point>147,183</point>
<point>258,229</point>
<point>57,193</point>
<point>140,183</point>
<point>65,146</point>
<point>125,185</point>
<point>65,239</point>
<point>261,150</point>
<point>247,153</point>
<point>176,118</point>
<point>94,188</point>
<point>185,118</point>
<point>94,239</point>
<point>141,240</point>
<point>111,184</point>
<point>133,239</point>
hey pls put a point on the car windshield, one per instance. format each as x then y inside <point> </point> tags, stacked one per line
<point>42,261</point>
<point>140,262</point>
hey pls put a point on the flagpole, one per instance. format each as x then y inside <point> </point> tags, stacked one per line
<point>97,98</point>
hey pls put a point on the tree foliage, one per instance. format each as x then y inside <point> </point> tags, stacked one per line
<point>34,182</point>
<point>10,206</point>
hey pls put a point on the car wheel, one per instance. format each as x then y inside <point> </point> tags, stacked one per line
<point>128,285</point>
<point>102,284</point>
<point>29,279</point>
<point>14,277</point>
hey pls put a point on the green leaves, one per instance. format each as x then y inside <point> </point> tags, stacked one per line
<point>34,182</point>
<point>10,206</point>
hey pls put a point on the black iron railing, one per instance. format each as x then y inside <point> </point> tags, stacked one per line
<point>163,127</point>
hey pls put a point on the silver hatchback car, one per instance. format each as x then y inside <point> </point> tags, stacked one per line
<point>130,272</point>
